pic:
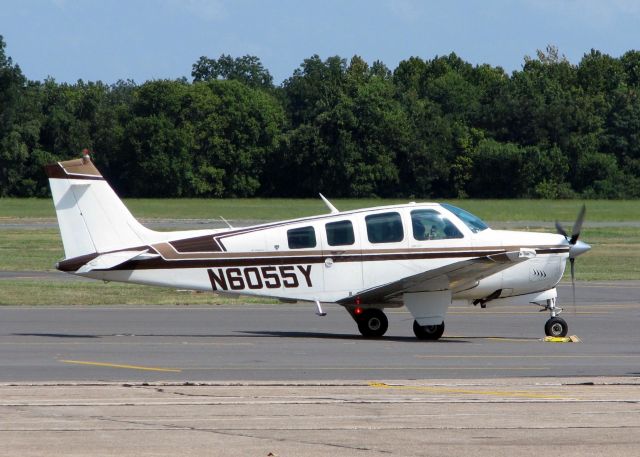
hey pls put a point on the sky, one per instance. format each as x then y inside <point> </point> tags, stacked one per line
<point>109,40</point>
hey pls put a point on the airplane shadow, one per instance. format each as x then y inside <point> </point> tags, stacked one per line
<point>57,335</point>
<point>343,336</point>
<point>253,334</point>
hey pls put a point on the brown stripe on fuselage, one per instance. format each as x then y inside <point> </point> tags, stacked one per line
<point>290,257</point>
<point>168,251</point>
<point>205,243</point>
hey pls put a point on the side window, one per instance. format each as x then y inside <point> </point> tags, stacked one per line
<point>428,224</point>
<point>384,228</point>
<point>300,238</point>
<point>340,233</point>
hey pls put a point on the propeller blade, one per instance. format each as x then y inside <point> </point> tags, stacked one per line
<point>573,281</point>
<point>577,226</point>
<point>560,230</point>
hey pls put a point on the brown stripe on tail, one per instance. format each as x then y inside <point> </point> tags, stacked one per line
<point>73,169</point>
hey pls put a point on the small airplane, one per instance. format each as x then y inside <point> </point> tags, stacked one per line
<point>420,255</point>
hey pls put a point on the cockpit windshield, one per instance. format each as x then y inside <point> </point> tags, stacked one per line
<point>474,223</point>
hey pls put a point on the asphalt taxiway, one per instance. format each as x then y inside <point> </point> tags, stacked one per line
<point>289,342</point>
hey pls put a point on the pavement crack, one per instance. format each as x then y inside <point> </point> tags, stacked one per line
<point>243,434</point>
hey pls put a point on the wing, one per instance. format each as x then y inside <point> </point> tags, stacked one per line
<point>460,275</point>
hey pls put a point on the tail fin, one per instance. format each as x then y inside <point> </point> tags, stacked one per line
<point>91,217</point>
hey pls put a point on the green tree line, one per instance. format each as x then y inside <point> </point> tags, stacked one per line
<point>429,128</point>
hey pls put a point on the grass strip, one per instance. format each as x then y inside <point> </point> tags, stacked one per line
<point>19,292</point>
<point>277,209</point>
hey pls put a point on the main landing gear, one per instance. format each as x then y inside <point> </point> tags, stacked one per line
<point>428,332</point>
<point>372,322</point>
<point>555,326</point>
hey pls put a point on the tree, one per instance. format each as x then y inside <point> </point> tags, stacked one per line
<point>431,128</point>
<point>247,69</point>
<point>207,139</point>
<point>347,130</point>
<point>18,132</point>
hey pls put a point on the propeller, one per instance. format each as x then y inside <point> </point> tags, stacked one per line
<point>576,247</point>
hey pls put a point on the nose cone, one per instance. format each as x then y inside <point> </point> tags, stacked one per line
<point>578,249</point>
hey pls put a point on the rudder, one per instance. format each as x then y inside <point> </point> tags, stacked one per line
<point>91,217</point>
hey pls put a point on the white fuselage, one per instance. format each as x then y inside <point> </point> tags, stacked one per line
<point>329,257</point>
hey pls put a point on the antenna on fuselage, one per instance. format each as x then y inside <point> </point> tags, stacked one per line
<point>226,222</point>
<point>332,208</point>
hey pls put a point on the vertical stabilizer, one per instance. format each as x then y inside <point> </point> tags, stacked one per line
<point>91,217</point>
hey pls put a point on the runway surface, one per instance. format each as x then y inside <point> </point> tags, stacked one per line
<point>288,342</point>
<point>499,417</point>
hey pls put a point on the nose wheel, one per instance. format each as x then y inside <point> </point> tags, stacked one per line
<point>556,326</point>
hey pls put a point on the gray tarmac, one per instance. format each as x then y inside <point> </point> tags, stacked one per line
<point>289,342</point>
<point>276,380</point>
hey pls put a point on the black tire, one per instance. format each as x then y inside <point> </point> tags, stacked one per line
<point>556,327</point>
<point>372,323</point>
<point>428,332</point>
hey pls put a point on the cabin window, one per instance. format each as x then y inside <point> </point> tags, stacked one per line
<point>428,224</point>
<point>340,233</point>
<point>384,228</point>
<point>474,223</point>
<point>300,238</point>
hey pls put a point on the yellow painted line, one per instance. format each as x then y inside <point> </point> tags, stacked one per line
<point>116,365</point>
<point>449,390</point>
<point>562,339</point>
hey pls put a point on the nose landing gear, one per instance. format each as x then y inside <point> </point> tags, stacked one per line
<point>555,326</point>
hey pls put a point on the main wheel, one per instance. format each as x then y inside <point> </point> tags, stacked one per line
<point>556,326</point>
<point>428,332</point>
<point>372,323</point>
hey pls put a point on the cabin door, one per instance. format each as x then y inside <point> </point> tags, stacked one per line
<point>342,251</point>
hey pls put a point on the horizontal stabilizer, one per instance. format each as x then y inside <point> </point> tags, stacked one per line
<point>113,259</point>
